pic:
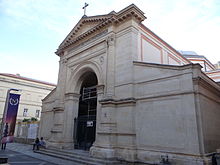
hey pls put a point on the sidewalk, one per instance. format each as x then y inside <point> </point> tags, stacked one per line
<point>27,150</point>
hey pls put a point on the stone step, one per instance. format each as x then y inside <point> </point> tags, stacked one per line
<point>76,161</point>
<point>77,156</point>
<point>73,151</point>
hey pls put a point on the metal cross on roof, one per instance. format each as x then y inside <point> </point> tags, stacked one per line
<point>86,4</point>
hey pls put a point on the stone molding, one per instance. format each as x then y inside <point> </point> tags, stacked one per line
<point>166,66</point>
<point>72,96</point>
<point>118,102</point>
<point>117,133</point>
<point>58,109</point>
<point>100,89</point>
<point>56,131</point>
<point>207,84</point>
<point>75,80</point>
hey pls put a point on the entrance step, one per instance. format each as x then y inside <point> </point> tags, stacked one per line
<point>77,156</point>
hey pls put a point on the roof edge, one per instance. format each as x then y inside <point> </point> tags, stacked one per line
<point>164,42</point>
<point>27,79</point>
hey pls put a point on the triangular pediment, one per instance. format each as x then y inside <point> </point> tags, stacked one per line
<point>85,24</point>
<point>88,25</point>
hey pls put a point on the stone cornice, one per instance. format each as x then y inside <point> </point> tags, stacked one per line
<point>58,109</point>
<point>166,66</point>
<point>54,130</point>
<point>72,96</point>
<point>131,11</point>
<point>118,102</point>
<point>208,84</point>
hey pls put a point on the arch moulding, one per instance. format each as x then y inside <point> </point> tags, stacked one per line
<point>77,76</point>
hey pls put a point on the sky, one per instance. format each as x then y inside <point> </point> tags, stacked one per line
<point>31,30</point>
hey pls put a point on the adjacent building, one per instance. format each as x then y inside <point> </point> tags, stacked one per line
<point>32,93</point>
<point>211,70</point>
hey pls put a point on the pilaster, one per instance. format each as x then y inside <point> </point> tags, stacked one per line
<point>61,80</point>
<point>103,146</point>
<point>57,129</point>
<point>71,110</point>
<point>110,75</point>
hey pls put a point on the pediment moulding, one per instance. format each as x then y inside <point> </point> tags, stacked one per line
<point>86,44</point>
<point>113,18</point>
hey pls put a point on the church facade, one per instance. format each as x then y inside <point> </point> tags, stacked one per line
<point>126,94</point>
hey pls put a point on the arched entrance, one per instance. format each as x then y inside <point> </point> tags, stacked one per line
<point>85,123</point>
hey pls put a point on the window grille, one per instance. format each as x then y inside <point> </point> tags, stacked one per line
<point>89,93</point>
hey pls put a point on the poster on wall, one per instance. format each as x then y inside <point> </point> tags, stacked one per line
<point>32,131</point>
<point>10,118</point>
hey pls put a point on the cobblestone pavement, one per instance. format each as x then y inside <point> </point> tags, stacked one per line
<point>22,154</point>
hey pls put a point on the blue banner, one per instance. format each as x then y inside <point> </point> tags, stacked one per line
<point>10,117</point>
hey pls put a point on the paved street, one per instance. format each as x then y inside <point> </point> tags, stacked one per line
<point>22,154</point>
<point>16,158</point>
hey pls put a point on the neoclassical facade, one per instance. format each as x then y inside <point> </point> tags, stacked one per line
<point>126,94</point>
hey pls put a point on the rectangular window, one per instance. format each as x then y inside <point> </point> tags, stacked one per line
<point>25,113</point>
<point>37,114</point>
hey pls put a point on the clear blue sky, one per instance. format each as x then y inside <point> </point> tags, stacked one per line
<point>31,30</point>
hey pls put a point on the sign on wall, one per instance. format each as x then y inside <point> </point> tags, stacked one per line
<point>10,118</point>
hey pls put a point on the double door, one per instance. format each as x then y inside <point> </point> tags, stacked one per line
<point>85,123</point>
